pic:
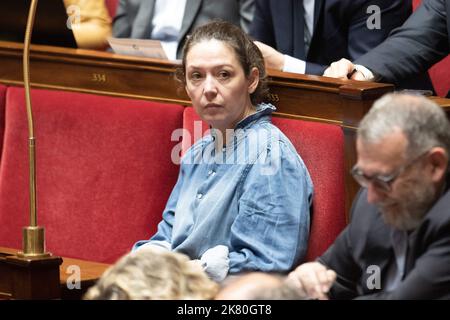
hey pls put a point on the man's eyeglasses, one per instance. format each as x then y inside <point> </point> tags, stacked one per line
<point>382,182</point>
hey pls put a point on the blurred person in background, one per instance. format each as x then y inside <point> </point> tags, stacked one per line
<point>90,23</point>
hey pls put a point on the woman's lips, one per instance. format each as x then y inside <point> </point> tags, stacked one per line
<point>212,106</point>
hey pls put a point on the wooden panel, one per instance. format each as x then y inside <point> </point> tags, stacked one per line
<point>92,72</point>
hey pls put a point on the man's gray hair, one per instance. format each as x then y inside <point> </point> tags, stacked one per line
<point>423,122</point>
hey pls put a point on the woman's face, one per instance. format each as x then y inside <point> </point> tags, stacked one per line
<point>216,83</point>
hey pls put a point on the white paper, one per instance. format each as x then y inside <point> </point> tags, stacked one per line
<point>138,47</point>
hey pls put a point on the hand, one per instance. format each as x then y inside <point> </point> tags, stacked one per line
<point>312,279</point>
<point>216,262</point>
<point>272,58</point>
<point>341,69</point>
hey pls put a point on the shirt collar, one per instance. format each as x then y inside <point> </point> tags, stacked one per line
<point>262,109</point>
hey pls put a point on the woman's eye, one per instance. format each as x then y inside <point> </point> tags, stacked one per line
<point>224,75</point>
<point>195,76</point>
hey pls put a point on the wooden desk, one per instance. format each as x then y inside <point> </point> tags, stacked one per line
<point>341,102</point>
<point>89,272</point>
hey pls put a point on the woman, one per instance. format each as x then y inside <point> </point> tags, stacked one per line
<point>242,198</point>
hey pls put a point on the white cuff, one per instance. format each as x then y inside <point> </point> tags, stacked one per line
<point>367,74</point>
<point>294,65</point>
<point>215,262</point>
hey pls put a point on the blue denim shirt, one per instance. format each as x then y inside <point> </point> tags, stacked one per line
<point>252,196</point>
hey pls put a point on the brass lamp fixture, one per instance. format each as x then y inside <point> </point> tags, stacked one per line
<point>33,239</point>
<point>33,273</point>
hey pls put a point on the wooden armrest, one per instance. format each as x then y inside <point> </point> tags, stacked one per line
<point>76,275</point>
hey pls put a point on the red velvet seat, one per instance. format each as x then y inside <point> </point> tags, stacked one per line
<point>322,148</point>
<point>104,171</point>
<point>2,116</point>
<point>439,73</point>
<point>112,7</point>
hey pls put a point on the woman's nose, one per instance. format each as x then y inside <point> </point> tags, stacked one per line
<point>210,88</point>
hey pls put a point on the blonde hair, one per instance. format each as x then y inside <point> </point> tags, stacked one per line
<point>151,273</point>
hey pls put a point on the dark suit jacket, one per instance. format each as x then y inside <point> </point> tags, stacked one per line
<point>340,28</point>
<point>366,242</point>
<point>134,17</point>
<point>422,41</point>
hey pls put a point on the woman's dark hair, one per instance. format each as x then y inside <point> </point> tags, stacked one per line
<point>246,51</point>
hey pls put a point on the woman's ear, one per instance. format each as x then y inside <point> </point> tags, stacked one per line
<point>253,80</point>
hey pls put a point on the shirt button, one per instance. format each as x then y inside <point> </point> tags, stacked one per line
<point>199,196</point>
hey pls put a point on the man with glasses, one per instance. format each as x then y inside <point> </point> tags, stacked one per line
<point>397,245</point>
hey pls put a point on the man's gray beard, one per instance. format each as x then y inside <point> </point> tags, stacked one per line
<point>409,215</point>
